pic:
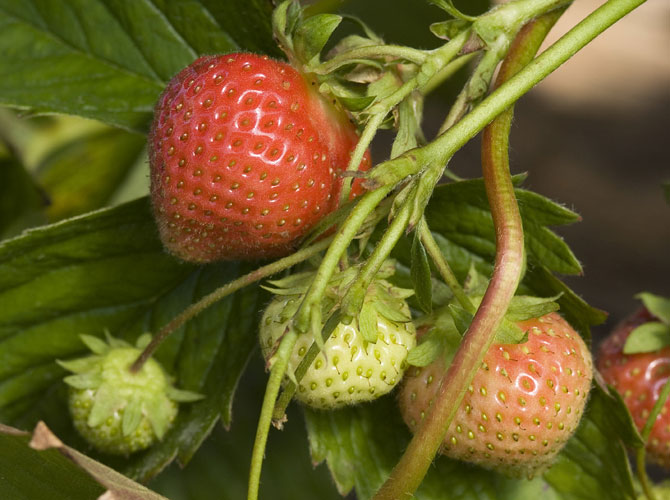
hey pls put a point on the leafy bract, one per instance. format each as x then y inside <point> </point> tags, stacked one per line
<point>108,271</point>
<point>109,59</point>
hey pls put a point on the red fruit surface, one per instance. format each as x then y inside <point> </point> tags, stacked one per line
<point>639,378</point>
<point>524,403</point>
<point>245,158</point>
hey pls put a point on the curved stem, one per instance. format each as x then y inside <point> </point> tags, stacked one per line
<point>196,308</point>
<point>646,432</point>
<point>277,372</point>
<point>336,249</point>
<point>393,171</point>
<point>413,465</point>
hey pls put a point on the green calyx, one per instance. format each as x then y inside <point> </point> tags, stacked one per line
<point>652,335</point>
<point>116,410</point>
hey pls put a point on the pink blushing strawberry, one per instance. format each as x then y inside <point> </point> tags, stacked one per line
<point>523,404</point>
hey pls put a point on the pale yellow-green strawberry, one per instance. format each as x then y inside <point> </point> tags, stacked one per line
<point>360,361</point>
<point>115,410</point>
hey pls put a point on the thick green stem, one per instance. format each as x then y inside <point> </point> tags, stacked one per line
<point>443,148</point>
<point>353,300</point>
<point>277,373</point>
<point>646,432</point>
<point>196,308</point>
<point>413,465</point>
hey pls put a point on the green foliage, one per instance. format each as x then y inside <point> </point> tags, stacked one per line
<point>360,446</point>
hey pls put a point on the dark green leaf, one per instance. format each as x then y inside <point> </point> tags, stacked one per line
<point>421,278</point>
<point>462,318</point>
<point>594,463</point>
<point>656,305</point>
<point>28,474</point>
<point>107,270</point>
<point>312,34</point>
<point>220,469</point>
<point>460,212</point>
<point>85,173</point>
<point>20,198</point>
<point>523,307</point>
<point>57,57</point>
<point>42,467</point>
<point>648,337</point>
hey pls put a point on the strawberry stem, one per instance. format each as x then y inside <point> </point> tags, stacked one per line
<point>443,267</point>
<point>413,465</point>
<point>443,148</point>
<point>277,372</point>
<point>646,432</point>
<point>196,308</point>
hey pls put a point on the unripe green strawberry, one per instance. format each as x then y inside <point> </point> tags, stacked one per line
<point>116,411</point>
<point>349,369</point>
<point>524,403</point>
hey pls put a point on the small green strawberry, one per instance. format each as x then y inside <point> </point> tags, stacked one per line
<point>360,361</point>
<point>115,410</point>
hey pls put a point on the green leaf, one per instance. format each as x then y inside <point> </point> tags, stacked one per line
<point>656,305</point>
<point>56,57</point>
<point>29,474</point>
<point>648,337</point>
<point>58,471</point>
<point>431,346</point>
<point>462,318</point>
<point>21,199</point>
<point>421,278</point>
<point>64,279</point>
<point>449,29</point>
<point>312,34</point>
<point>594,462</point>
<point>367,322</point>
<point>523,307</point>
<point>361,444</point>
<point>84,174</point>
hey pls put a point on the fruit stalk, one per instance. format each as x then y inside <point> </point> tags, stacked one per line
<point>281,360</point>
<point>196,308</point>
<point>444,147</point>
<point>408,473</point>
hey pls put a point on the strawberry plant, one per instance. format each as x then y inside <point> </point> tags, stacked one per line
<point>196,178</point>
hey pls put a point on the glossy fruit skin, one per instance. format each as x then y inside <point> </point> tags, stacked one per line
<point>349,370</point>
<point>245,158</point>
<point>639,378</point>
<point>524,403</point>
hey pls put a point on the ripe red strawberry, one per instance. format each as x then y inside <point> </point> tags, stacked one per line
<point>639,378</point>
<point>523,405</point>
<point>245,158</point>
